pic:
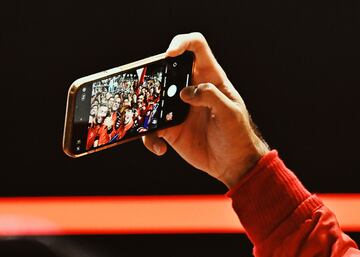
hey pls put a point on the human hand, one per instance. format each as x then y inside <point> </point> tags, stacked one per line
<point>217,136</point>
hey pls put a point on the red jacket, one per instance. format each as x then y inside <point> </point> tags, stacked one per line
<point>282,218</point>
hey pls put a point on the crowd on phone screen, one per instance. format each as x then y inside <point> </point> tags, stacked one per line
<point>122,105</point>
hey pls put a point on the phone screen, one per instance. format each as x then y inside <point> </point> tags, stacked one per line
<point>131,103</point>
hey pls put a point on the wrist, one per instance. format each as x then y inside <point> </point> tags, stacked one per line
<point>249,158</point>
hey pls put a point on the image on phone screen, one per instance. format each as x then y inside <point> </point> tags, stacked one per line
<point>130,103</point>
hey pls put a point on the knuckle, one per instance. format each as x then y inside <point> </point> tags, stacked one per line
<point>178,39</point>
<point>178,36</point>
<point>198,39</point>
<point>198,35</point>
<point>205,89</point>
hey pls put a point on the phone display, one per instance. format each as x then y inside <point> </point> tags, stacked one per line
<point>125,103</point>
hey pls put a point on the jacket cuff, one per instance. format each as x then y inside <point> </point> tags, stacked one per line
<point>267,196</point>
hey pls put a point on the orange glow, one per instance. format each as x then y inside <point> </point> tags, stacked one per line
<point>141,214</point>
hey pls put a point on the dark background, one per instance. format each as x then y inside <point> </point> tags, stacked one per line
<point>295,63</point>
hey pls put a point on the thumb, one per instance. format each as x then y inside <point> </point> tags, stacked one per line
<point>206,95</point>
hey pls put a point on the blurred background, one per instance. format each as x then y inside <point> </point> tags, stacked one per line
<point>295,63</point>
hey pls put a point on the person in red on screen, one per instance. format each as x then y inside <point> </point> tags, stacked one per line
<point>280,216</point>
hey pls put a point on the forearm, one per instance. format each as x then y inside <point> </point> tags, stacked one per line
<point>281,217</point>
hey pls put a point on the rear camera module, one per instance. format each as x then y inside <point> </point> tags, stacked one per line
<point>172,90</point>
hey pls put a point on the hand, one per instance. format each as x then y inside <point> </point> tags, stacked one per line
<point>217,136</point>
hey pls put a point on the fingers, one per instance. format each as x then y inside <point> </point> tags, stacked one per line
<point>194,42</point>
<point>155,144</point>
<point>206,95</point>
<point>207,69</point>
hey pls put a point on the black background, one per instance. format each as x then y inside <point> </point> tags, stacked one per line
<point>295,63</point>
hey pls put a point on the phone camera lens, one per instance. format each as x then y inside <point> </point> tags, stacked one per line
<point>172,90</point>
<point>175,64</point>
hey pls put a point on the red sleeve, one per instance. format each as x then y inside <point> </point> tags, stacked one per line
<point>282,218</point>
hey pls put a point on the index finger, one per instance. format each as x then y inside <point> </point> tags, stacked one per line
<point>194,42</point>
<point>207,69</point>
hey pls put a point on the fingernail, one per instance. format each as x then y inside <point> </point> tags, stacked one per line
<point>157,148</point>
<point>195,92</point>
<point>189,92</point>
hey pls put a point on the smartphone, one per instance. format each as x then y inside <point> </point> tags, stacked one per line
<point>124,103</point>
